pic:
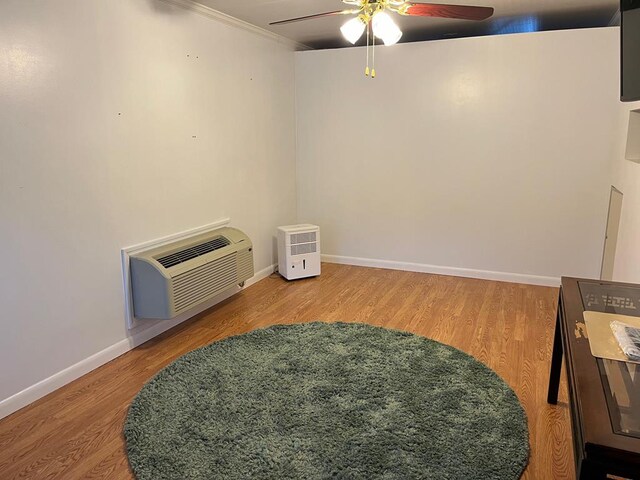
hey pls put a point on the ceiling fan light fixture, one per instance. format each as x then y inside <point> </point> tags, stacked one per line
<point>353,29</point>
<point>373,16</point>
<point>385,28</point>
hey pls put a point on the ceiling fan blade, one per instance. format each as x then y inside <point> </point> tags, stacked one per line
<point>318,15</point>
<point>464,12</point>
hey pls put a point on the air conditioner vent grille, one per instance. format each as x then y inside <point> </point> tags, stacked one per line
<point>245,264</point>
<point>203,282</point>
<point>303,237</point>
<point>195,251</point>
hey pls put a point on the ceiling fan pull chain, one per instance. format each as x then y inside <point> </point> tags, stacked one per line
<point>373,59</point>
<point>366,70</point>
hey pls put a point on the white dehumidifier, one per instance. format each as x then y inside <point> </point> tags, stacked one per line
<point>299,251</point>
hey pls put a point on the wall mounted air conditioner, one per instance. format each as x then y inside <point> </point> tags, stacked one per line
<point>299,251</point>
<point>169,280</point>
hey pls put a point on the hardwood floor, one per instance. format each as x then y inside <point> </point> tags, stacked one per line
<point>76,432</point>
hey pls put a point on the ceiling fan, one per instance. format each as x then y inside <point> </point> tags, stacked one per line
<point>373,16</point>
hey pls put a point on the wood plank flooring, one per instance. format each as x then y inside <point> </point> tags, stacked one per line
<point>76,432</point>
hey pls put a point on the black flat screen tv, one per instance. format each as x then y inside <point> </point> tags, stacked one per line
<point>630,47</point>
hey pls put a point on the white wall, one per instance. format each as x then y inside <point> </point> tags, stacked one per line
<point>121,122</point>
<point>491,153</point>
<point>627,180</point>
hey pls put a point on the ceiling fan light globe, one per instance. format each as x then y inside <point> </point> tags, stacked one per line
<point>385,28</point>
<point>353,29</point>
<point>392,38</point>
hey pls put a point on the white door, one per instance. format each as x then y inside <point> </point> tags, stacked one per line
<point>611,238</point>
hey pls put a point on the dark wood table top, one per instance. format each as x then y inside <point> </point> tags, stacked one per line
<point>590,381</point>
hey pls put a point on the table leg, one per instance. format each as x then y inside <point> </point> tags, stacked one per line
<point>591,471</point>
<point>556,364</point>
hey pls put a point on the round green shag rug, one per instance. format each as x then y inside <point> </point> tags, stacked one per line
<point>321,400</point>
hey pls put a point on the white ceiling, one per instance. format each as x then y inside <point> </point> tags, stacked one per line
<point>510,16</point>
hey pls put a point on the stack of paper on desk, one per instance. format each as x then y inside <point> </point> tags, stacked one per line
<point>628,338</point>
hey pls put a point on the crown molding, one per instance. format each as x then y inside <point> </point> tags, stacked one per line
<point>235,22</point>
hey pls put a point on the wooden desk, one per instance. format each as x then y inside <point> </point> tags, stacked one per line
<point>603,394</point>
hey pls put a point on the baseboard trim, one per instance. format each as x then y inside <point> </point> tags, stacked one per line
<point>63,377</point>
<point>439,270</point>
